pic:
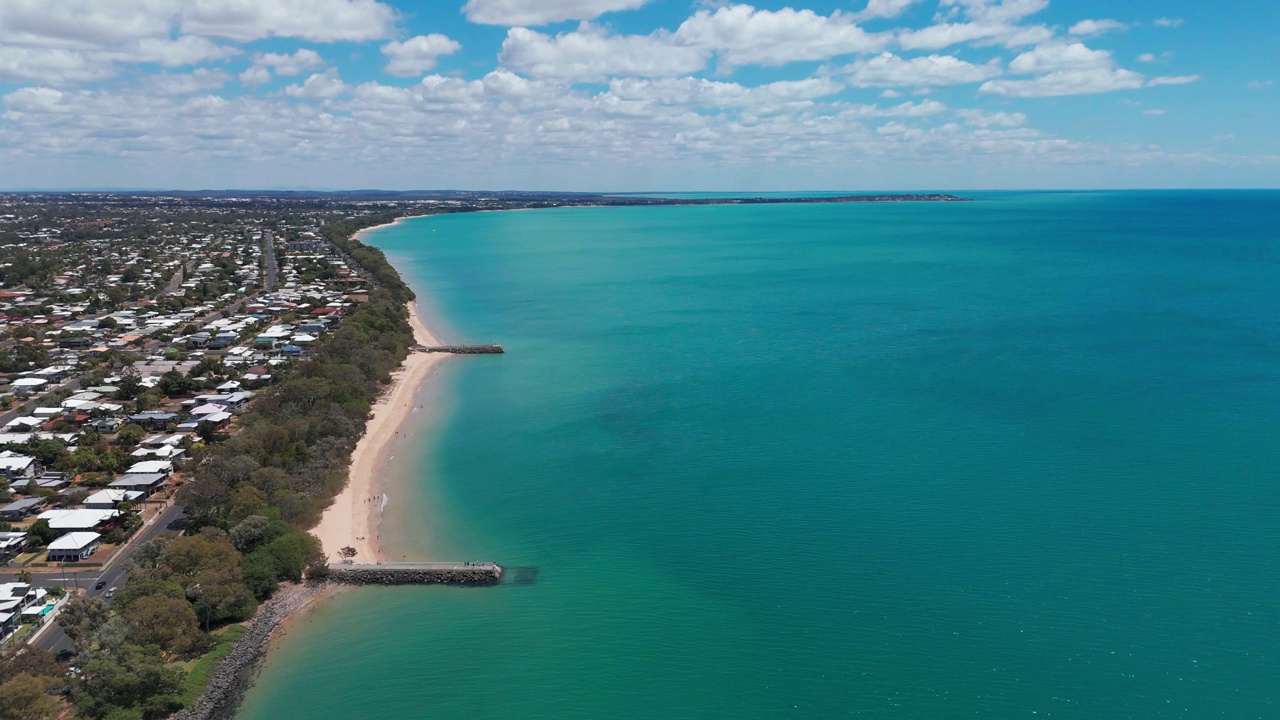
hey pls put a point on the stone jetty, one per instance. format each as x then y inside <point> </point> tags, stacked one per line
<point>446,573</point>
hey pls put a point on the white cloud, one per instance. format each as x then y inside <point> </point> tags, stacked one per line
<point>185,50</point>
<point>1260,84</point>
<point>888,69</point>
<point>314,20</point>
<point>1089,28</point>
<point>1172,80</point>
<point>885,8</point>
<point>198,80</point>
<point>53,66</point>
<point>541,12</point>
<point>983,119</point>
<point>1064,69</point>
<point>936,37</point>
<point>417,54</point>
<point>709,93</point>
<point>1051,57</point>
<point>890,94</point>
<point>83,24</point>
<point>588,54</point>
<point>1066,82</point>
<point>743,35</point>
<point>1168,22</point>
<point>98,23</point>
<point>300,61</point>
<point>996,12</point>
<point>1154,111</point>
<point>321,86</point>
<point>1146,58</point>
<point>255,75</point>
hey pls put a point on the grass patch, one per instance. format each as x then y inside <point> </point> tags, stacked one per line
<point>201,669</point>
<point>25,558</point>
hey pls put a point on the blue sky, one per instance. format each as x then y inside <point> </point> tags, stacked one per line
<point>636,94</point>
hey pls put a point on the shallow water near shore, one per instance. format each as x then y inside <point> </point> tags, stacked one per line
<point>1001,459</point>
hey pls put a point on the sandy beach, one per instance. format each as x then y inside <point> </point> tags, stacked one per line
<point>352,520</point>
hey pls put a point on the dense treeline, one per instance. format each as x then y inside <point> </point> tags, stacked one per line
<point>252,500</point>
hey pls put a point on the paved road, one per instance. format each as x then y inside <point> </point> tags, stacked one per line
<point>174,281</point>
<point>54,639</point>
<point>269,261</point>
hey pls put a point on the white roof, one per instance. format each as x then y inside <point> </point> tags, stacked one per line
<point>75,541</point>
<point>76,519</point>
<point>208,409</point>
<point>30,382</point>
<point>15,462</point>
<point>150,466</point>
<point>112,496</point>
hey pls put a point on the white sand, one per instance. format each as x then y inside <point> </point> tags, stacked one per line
<point>352,519</point>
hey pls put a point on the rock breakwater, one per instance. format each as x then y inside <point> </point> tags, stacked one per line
<point>469,573</point>
<point>234,675</point>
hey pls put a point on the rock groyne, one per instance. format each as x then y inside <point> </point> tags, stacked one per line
<point>221,697</point>
<point>462,573</point>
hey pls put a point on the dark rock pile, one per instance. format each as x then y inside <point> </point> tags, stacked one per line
<point>235,673</point>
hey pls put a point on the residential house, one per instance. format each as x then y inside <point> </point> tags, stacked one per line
<point>11,542</point>
<point>147,467</point>
<point>14,598</point>
<point>77,520</point>
<point>74,546</point>
<point>109,498</point>
<point>19,509</point>
<point>17,467</point>
<point>145,483</point>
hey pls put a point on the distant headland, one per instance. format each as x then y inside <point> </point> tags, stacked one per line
<point>445,201</point>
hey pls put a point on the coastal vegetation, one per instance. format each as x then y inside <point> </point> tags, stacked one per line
<point>251,500</point>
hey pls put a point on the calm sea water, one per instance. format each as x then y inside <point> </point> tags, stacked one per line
<point>1005,459</point>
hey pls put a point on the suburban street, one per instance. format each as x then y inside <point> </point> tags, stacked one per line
<point>53,638</point>
<point>269,261</point>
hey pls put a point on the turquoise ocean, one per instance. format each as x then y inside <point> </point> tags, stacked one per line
<point>1011,458</point>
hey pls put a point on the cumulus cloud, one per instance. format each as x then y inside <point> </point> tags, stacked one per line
<point>885,8</point>
<point>321,86</point>
<point>996,12</point>
<point>198,80</point>
<point>1154,111</point>
<point>1064,69</point>
<point>984,119</point>
<point>700,92</point>
<point>71,41</point>
<point>185,50</point>
<point>589,54</point>
<point>417,54</point>
<point>300,61</point>
<point>534,108</point>
<point>1168,22</point>
<point>1146,58</point>
<point>314,20</point>
<point>541,12</point>
<point>890,70</point>
<point>743,35</point>
<point>1090,28</point>
<point>937,37</point>
<point>94,23</point>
